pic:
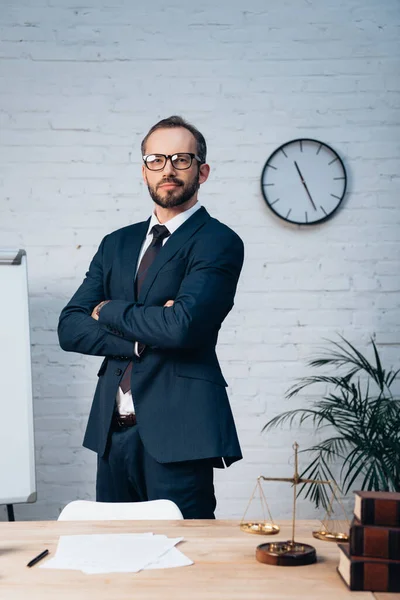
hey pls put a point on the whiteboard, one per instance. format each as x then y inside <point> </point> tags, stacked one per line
<point>17,456</point>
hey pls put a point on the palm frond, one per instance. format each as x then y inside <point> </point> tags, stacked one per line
<point>336,382</point>
<point>331,448</point>
<point>318,469</point>
<point>355,464</point>
<point>290,416</point>
<point>391,376</point>
<point>380,373</point>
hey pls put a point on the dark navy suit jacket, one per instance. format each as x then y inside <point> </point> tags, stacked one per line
<point>179,392</point>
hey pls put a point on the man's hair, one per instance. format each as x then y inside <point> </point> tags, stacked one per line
<point>176,121</point>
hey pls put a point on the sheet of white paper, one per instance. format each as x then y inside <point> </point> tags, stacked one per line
<point>172,558</point>
<point>112,553</point>
<point>73,551</point>
<point>156,548</point>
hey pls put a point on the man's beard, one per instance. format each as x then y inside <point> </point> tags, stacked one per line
<point>175,196</point>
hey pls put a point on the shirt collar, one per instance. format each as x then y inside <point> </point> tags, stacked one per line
<point>173,224</point>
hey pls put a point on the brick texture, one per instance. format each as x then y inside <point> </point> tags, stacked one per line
<point>81,83</point>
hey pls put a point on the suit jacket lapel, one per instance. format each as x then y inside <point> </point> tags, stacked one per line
<point>171,247</point>
<point>129,257</point>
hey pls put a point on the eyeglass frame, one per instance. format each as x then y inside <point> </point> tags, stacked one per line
<point>169,156</point>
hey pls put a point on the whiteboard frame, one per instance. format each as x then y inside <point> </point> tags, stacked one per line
<point>18,259</point>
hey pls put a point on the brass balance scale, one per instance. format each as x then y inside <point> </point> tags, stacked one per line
<point>290,552</point>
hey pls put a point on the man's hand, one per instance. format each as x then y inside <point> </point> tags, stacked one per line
<point>97,309</point>
<point>169,303</point>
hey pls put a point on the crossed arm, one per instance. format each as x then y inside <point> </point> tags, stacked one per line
<point>77,330</point>
<point>97,309</point>
<point>204,299</point>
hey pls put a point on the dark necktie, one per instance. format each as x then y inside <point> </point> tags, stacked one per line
<point>160,232</point>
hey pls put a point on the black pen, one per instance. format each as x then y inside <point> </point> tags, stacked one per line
<point>37,558</point>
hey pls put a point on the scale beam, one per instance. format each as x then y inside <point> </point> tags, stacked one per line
<point>294,481</point>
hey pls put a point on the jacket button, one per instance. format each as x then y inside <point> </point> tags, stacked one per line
<point>118,371</point>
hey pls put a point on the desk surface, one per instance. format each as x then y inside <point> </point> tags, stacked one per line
<point>224,556</point>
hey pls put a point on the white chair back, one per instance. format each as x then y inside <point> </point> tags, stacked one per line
<point>86,510</point>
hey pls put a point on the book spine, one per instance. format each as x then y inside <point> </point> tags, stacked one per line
<point>378,542</point>
<point>375,577</point>
<point>380,512</point>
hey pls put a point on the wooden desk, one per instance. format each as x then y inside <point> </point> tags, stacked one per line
<point>224,557</point>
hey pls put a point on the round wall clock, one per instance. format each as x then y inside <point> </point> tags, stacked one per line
<point>304,181</point>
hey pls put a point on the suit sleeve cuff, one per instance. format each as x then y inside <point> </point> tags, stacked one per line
<point>110,316</point>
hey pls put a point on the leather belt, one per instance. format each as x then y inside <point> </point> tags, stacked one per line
<point>122,421</point>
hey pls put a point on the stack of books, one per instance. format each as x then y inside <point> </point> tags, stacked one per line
<point>371,560</point>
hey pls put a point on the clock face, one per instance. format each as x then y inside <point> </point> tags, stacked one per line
<point>304,181</point>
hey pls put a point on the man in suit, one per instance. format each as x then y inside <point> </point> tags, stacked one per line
<point>152,304</point>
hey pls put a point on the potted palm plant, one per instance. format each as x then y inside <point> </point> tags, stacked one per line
<point>361,417</point>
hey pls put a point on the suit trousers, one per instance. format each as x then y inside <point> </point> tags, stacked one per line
<point>127,473</point>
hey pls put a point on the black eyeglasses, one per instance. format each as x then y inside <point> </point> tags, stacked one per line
<point>180,161</point>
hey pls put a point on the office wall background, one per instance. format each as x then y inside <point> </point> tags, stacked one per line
<point>80,85</point>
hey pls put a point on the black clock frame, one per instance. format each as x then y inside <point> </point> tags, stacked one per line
<point>279,150</point>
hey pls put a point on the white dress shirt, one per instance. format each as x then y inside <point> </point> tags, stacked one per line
<point>124,401</point>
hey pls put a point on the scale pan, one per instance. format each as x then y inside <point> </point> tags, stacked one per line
<point>260,527</point>
<point>331,536</point>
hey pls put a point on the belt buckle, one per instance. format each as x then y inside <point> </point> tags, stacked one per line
<point>117,422</point>
<point>123,421</point>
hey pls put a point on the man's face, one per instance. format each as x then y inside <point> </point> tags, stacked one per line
<point>173,187</point>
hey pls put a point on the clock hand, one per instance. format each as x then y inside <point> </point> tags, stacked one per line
<point>305,185</point>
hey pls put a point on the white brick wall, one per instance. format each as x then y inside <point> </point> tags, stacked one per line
<point>81,83</point>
